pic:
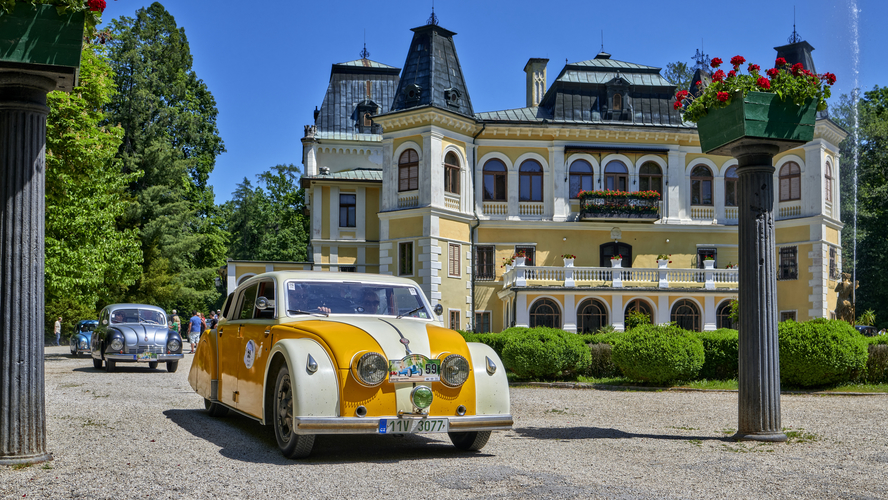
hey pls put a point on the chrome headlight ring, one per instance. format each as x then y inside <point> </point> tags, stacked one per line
<point>117,344</point>
<point>370,369</point>
<point>454,370</point>
<point>173,345</point>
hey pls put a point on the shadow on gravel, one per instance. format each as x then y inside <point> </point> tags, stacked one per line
<point>244,439</point>
<point>601,433</point>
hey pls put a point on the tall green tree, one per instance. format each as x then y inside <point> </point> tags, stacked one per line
<point>90,258</point>
<point>872,196</point>
<point>171,140</point>
<point>678,74</point>
<point>268,224</point>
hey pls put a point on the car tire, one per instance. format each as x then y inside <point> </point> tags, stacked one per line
<point>75,354</point>
<point>172,366</point>
<point>292,445</point>
<point>152,365</point>
<point>215,409</point>
<point>469,441</point>
<point>110,365</point>
<point>97,364</point>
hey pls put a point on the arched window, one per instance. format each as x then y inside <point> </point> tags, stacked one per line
<point>641,306</point>
<point>616,176</point>
<point>580,177</point>
<point>591,316</point>
<point>650,178</point>
<point>790,182</point>
<point>731,187</point>
<point>530,181</point>
<point>545,312</point>
<point>408,171</point>
<point>618,102</point>
<point>723,315</point>
<point>494,180</point>
<point>686,314</point>
<point>828,181</point>
<point>701,185</point>
<point>451,173</point>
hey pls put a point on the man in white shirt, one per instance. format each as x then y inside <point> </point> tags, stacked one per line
<point>58,330</point>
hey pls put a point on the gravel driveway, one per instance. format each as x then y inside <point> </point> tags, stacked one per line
<point>140,433</point>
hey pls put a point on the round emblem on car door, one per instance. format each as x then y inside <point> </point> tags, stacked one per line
<point>250,354</point>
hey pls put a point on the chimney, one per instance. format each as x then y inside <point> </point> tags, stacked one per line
<point>536,80</point>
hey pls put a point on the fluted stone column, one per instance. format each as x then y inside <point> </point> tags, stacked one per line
<point>22,144</point>
<point>759,382</point>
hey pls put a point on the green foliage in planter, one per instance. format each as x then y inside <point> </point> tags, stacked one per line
<point>820,352</point>
<point>659,354</point>
<point>601,364</point>
<point>721,350</point>
<point>877,364</point>
<point>545,353</point>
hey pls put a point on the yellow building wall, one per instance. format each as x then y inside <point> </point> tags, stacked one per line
<point>461,146</point>
<point>792,234</point>
<point>371,256</point>
<point>348,255</point>
<point>411,138</point>
<point>453,230</point>
<point>371,217</point>
<point>241,270</point>
<point>832,235</point>
<point>793,294</point>
<point>486,299</point>
<point>513,153</point>
<point>405,228</point>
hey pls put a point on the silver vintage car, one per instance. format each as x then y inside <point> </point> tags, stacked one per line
<point>135,333</point>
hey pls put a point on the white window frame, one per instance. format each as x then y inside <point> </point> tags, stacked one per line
<point>450,317</point>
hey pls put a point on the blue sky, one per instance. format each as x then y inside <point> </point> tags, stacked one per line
<point>268,63</point>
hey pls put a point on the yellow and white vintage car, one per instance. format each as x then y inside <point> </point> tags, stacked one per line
<point>335,353</point>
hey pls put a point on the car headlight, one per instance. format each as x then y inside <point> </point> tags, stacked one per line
<point>371,369</point>
<point>421,397</point>
<point>116,344</point>
<point>173,345</point>
<point>84,344</point>
<point>454,370</point>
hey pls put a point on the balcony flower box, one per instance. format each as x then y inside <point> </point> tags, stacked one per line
<point>38,34</point>
<point>619,204</point>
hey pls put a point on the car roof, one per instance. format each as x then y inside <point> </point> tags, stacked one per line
<point>332,276</point>
<point>114,307</point>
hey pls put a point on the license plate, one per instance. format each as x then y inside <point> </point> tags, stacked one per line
<point>146,356</point>
<point>413,425</point>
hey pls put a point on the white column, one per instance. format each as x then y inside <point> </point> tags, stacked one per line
<point>317,212</point>
<point>478,186</point>
<point>663,312</point>
<point>522,316</point>
<point>719,198</point>
<point>389,194</point>
<point>362,259</point>
<point>310,150</point>
<point>812,188</point>
<point>617,313</point>
<point>334,259</point>
<point>676,192</point>
<point>385,247</point>
<point>570,313</point>
<point>232,277</point>
<point>434,158</point>
<point>709,313</point>
<point>334,213</point>
<point>560,201</point>
<point>512,195</point>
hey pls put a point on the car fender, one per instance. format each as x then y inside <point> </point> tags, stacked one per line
<point>314,393</point>
<point>491,391</point>
<point>204,373</point>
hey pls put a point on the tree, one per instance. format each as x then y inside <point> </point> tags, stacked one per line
<point>171,140</point>
<point>678,74</point>
<point>90,258</point>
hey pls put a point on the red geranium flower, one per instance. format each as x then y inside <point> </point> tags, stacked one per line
<point>797,68</point>
<point>763,83</point>
<point>718,76</point>
<point>732,74</point>
<point>698,83</point>
<point>780,62</point>
<point>723,96</point>
<point>681,94</point>
<point>754,67</point>
<point>773,72</point>
<point>829,77</point>
<point>715,62</point>
<point>96,5</point>
<point>736,61</point>
<point>677,105</point>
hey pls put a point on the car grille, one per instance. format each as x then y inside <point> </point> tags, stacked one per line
<point>145,348</point>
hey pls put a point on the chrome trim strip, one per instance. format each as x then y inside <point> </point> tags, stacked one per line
<point>370,424</point>
<point>129,357</point>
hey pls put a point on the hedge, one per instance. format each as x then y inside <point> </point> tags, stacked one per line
<point>659,354</point>
<point>820,352</point>
<point>545,353</point>
<point>721,354</point>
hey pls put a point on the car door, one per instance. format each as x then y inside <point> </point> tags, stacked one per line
<point>255,343</point>
<point>229,342</point>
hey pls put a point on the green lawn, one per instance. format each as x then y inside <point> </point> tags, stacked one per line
<point>730,385</point>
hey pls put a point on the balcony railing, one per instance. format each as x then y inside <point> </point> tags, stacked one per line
<point>621,277</point>
<point>408,199</point>
<point>495,208</point>
<point>618,205</point>
<point>451,202</point>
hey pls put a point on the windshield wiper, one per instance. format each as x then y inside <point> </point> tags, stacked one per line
<point>409,312</point>
<point>299,311</point>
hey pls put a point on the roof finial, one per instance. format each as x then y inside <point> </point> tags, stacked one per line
<point>701,59</point>
<point>433,20</point>
<point>602,40</point>
<point>794,38</point>
<point>364,54</point>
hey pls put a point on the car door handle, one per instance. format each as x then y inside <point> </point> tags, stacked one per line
<point>267,332</point>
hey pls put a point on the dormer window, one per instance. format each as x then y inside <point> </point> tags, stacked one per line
<point>413,93</point>
<point>365,112</point>
<point>618,102</point>
<point>452,97</point>
<point>367,120</point>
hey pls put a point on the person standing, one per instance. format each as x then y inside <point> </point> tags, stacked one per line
<point>175,322</point>
<point>194,329</point>
<point>58,330</point>
<point>212,321</point>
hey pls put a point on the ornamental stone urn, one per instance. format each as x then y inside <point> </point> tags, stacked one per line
<point>568,262</point>
<point>662,263</point>
<point>709,264</point>
<point>616,262</point>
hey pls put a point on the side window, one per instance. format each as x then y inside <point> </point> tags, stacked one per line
<point>266,289</point>
<point>229,305</point>
<point>247,302</point>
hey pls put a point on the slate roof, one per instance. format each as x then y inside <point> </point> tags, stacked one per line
<point>433,66</point>
<point>338,116</point>
<point>358,174</point>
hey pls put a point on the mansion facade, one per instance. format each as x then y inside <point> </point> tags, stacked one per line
<point>402,176</point>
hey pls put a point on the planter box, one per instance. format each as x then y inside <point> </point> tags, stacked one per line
<point>36,39</point>
<point>758,118</point>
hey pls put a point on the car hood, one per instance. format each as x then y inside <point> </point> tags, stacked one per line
<point>136,334</point>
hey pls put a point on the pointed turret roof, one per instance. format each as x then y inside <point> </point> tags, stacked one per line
<point>432,75</point>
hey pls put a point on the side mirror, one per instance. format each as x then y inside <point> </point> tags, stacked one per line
<point>262,303</point>
<point>439,309</point>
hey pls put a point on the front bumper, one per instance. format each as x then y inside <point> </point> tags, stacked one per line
<point>370,425</point>
<point>136,358</point>
<point>82,351</point>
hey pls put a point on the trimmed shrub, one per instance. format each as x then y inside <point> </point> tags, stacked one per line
<point>602,364</point>
<point>721,354</point>
<point>877,364</point>
<point>607,337</point>
<point>545,353</point>
<point>880,340</point>
<point>659,354</point>
<point>820,352</point>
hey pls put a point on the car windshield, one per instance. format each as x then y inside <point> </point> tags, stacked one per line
<point>324,297</point>
<point>143,316</point>
<point>87,327</point>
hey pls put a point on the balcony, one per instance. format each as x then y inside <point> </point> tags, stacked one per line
<point>641,206</point>
<point>621,277</point>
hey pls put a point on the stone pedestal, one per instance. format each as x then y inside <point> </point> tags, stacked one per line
<point>759,381</point>
<point>22,146</point>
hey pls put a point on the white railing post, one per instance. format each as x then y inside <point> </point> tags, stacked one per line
<point>707,274</point>
<point>520,270</point>
<point>617,273</point>
<point>569,277</point>
<point>661,270</point>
